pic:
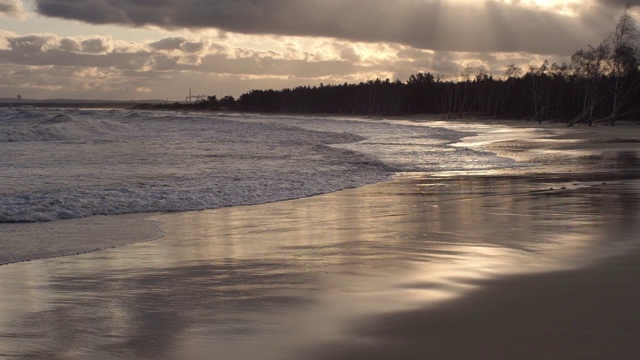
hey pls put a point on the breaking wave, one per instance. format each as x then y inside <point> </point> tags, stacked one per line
<point>76,163</point>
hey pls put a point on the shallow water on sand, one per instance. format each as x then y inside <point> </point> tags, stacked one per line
<point>274,280</point>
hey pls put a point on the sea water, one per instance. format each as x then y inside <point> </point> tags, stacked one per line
<point>286,280</point>
<point>61,167</point>
<point>63,164</point>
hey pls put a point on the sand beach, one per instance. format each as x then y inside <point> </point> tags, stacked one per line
<point>539,262</point>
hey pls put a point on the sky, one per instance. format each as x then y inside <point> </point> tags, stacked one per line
<point>159,49</point>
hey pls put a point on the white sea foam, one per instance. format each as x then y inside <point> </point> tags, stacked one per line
<point>51,125</point>
<point>62,164</point>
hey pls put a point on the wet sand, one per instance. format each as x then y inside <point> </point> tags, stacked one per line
<point>591,313</point>
<point>532,263</point>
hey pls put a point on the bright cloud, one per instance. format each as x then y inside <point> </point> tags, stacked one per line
<point>160,49</point>
<point>12,8</point>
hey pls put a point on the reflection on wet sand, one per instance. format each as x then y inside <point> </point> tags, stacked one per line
<point>269,281</point>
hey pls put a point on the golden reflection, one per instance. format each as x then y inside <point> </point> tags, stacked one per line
<point>309,268</point>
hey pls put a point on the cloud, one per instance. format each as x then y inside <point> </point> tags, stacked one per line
<point>620,3</point>
<point>96,45</point>
<point>12,8</point>
<point>48,50</point>
<point>178,43</point>
<point>70,45</point>
<point>52,66</point>
<point>30,44</point>
<point>450,25</point>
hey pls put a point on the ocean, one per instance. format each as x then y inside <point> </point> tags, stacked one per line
<point>375,271</point>
<point>66,173</point>
<point>63,164</point>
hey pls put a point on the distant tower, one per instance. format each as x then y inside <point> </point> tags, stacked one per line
<point>196,97</point>
<point>19,98</point>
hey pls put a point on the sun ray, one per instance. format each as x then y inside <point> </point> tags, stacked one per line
<point>564,7</point>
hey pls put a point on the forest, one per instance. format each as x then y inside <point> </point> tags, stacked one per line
<point>599,85</point>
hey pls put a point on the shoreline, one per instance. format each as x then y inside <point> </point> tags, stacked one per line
<point>509,264</point>
<point>589,311</point>
<point>389,270</point>
<point>585,313</point>
<point>548,147</point>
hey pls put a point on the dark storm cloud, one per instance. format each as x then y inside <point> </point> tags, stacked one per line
<point>427,24</point>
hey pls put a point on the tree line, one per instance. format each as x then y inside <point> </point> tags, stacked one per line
<point>600,84</point>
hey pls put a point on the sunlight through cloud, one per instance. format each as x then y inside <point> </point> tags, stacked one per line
<point>564,7</point>
<point>303,43</point>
